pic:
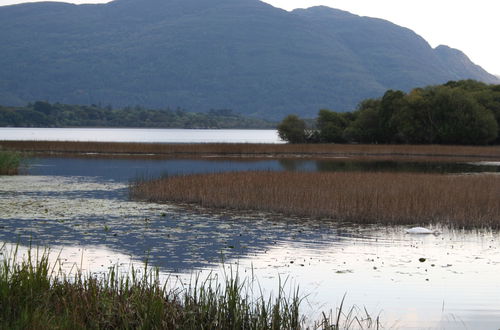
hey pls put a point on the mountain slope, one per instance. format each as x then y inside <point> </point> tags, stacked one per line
<point>202,54</point>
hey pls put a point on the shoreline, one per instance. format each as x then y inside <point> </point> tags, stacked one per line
<point>252,150</point>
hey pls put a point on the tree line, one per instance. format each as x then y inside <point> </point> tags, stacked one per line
<point>45,114</point>
<point>458,112</point>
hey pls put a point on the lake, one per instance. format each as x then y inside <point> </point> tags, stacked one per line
<point>141,135</point>
<point>79,208</point>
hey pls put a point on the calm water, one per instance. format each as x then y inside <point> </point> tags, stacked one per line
<point>80,209</point>
<point>141,135</point>
<point>126,169</point>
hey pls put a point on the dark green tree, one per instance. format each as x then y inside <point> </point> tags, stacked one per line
<point>293,129</point>
<point>390,104</point>
<point>366,127</point>
<point>460,119</point>
<point>43,107</point>
<point>331,126</point>
<point>414,122</point>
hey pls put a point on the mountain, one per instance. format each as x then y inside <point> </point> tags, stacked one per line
<point>243,55</point>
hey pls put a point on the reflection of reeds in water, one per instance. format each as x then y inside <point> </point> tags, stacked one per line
<point>308,150</point>
<point>9,162</point>
<point>36,295</point>
<point>386,198</point>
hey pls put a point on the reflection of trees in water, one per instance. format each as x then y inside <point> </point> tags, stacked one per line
<point>174,242</point>
<point>295,164</point>
<point>393,166</point>
<point>339,165</point>
<point>126,169</point>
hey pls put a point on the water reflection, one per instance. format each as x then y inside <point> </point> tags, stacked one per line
<point>348,165</point>
<point>126,169</point>
<point>74,211</point>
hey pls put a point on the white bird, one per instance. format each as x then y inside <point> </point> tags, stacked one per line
<point>421,231</point>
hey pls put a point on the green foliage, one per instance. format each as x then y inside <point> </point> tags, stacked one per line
<point>458,112</point>
<point>365,127</point>
<point>292,129</point>
<point>9,162</point>
<point>44,114</point>
<point>331,126</point>
<point>34,295</point>
<point>463,112</point>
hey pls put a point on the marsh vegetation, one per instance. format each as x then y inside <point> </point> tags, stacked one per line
<point>423,152</point>
<point>383,198</point>
<point>35,294</point>
<point>9,162</point>
<point>88,214</point>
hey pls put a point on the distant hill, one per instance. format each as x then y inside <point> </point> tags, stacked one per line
<point>243,55</point>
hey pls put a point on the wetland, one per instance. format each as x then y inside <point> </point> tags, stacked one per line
<point>79,207</point>
<point>74,198</point>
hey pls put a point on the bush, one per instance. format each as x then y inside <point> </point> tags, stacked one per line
<point>9,162</point>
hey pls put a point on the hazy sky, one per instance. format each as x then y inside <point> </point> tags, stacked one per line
<point>469,25</point>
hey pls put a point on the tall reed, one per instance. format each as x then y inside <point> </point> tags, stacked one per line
<point>386,198</point>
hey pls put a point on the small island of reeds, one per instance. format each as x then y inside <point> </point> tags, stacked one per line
<point>463,201</point>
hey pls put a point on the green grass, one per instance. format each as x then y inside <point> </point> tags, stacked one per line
<point>37,295</point>
<point>9,162</point>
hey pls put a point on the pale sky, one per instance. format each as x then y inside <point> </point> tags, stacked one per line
<point>469,25</point>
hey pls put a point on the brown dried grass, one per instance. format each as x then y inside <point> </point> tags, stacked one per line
<point>258,150</point>
<point>386,198</point>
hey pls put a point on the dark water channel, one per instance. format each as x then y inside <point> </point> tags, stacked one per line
<point>79,208</point>
<point>127,169</point>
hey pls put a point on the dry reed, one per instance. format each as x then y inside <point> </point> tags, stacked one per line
<point>387,198</point>
<point>257,150</point>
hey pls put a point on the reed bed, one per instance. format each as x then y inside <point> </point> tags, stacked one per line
<point>256,150</point>
<point>37,295</point>
<point>9,162</point>
<point>385,198</point>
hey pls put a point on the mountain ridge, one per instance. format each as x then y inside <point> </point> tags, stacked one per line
<point>243,55</point>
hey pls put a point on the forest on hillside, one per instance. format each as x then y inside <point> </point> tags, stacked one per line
<point>219,54</point>
<point>458,112</point>
<point>44,114</point>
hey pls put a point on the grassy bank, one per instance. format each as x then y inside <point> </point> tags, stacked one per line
<point>259,150</point>
<point>9,162</point>
<point>385,198</point>
<point>34,295</point>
